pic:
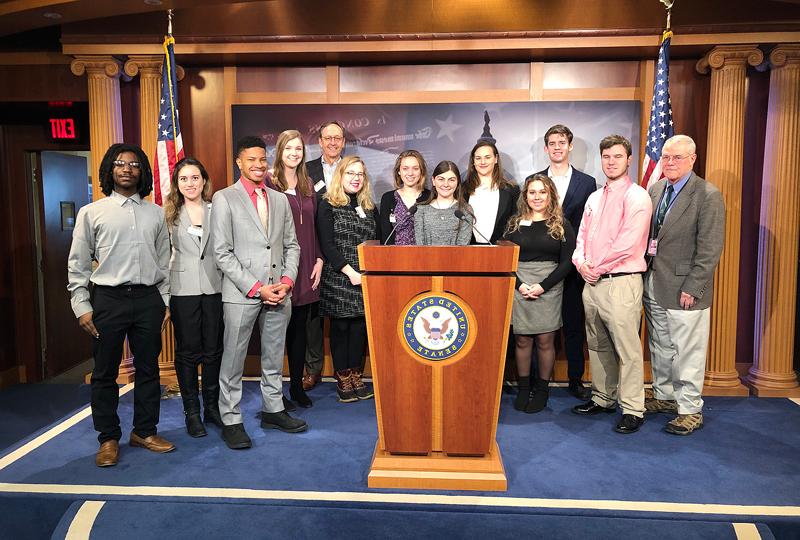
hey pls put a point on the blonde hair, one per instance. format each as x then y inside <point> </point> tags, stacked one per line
<point>278,176</point>
<point>555,216</point>
<point>175,199</point>
<point>336,194</point>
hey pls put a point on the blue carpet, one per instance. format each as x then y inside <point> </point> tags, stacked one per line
<point>136,520</point>
<point>27,408</point>
<point>746,454</point>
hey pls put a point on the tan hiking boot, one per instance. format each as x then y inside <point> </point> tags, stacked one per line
<point>685,424</point>
<point>653,406</point>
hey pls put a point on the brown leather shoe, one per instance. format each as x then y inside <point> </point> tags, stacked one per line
<point>310,381</point>
<point>154,443</point>
<point>108,454</point>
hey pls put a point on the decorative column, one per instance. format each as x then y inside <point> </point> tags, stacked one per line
<point>149,70</point>
<point>105,129</point>
<point>105,113</point>
<point>772,374</point>
<point>724,169</point>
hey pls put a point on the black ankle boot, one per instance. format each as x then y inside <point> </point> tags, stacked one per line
<point>299,396</point>
<point>539,396</point>
<point>211,413</point>
<point>523,393</point>
<point>194,426</point>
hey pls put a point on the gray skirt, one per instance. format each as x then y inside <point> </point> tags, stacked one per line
<point>543,314</point>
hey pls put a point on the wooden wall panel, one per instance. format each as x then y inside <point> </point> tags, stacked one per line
<point>557,75</point>
<point>41,83</point>
<point>690,93</point>
<point>440,77</point>
<point>202,108</point>
<point>278,79</point>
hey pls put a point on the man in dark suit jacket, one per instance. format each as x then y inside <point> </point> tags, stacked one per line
<point>574,188</point>
<point>687,234</point>
<point>320,170</point>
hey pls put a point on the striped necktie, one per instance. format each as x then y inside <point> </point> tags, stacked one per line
<point>662,210</point>
<point>261,206</point>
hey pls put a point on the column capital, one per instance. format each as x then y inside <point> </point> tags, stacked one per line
<point>730,55</point>
<point>96,65</point>
<point>784,54</point>
<point>149,65</point>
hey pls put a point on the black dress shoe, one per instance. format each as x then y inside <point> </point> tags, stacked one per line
<point>194,425</point>
<point>629,424</point>
<point>288,405</point>
<point>236,437</point>
<point>299,395</point>
<point>577,389</point>
<point>282,421</point>
<point>591,408</point>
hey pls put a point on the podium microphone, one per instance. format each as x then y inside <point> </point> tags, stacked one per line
<point>411,212</point>
<point>460,215</point>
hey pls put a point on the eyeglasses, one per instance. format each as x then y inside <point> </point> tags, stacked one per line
<point>353,174</point>
<point>329,139</point>
<point>132,164</point>
<point>668,159</point>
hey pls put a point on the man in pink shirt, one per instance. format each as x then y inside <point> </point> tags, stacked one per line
<point>609,254</point>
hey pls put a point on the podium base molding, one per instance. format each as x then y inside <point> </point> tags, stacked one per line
<point>438,471</point>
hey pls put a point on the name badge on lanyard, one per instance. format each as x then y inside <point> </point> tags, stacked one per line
<point>319,185</point>
<point>194,230</point>
<point>652,247</point>
<point>360,212</point>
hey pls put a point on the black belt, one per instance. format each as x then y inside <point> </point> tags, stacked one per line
<point>617,274</point>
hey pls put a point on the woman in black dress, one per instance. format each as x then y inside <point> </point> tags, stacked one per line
<point>546,243</point>
<point>346,218</point>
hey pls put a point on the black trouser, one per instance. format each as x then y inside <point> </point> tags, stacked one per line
<point>136,311</point>
<point>297,342</point>
<point>348,339</point>
<point>574,324</point>
<point>198,325</point>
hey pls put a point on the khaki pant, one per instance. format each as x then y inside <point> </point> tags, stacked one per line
<point>678,345</point>
<point>613,315</point>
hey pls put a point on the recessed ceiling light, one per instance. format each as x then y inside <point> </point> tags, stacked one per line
<point>153,2</point>
<point>51,15</point>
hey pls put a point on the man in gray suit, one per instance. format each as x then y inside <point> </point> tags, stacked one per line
<point>687,233</point>
<point>256,249</point>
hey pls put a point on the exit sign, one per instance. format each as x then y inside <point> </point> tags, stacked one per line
<point>63,129</point>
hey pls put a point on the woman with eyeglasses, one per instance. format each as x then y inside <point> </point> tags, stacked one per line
<point>195,289</point>
<point>396,214</point>
<point>491,196</point>
<point>289,176</point>
<point>445,219</point>
<point>346,218</point>
<point>546,243</point>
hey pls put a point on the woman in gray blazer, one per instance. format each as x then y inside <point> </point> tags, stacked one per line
<point>195,289</point>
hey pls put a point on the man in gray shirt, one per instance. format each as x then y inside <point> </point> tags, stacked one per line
<point>126,294</point>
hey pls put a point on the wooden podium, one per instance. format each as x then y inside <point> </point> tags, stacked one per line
<point>438,319</point>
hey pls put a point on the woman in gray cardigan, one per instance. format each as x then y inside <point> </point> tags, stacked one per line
<point>195,293</point>
<point>445,219</point>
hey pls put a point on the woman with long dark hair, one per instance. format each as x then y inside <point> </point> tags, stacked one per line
<point>445,219</point>
<point>195,293</point>
<point>546,243</point>
<point>289,176</point>
<point>410,173</point>
<point>346,218</point>
<point>490,194</point>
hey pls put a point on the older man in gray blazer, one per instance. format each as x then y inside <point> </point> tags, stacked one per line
<point>256,249</point>
<point>687,233</point>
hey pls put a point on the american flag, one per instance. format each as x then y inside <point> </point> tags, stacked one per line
<point>169,148</point>
<point>660,128</point>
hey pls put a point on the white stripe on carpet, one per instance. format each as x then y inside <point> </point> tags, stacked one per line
<point>51,433</point>
<point>82,523</point>
<point>402,498</point>
<point>746,531</point>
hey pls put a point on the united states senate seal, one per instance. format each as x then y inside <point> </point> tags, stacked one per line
<point>436,326</point>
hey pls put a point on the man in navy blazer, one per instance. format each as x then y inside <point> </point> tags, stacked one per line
<point>574,188</point>
<point>320,170</point>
